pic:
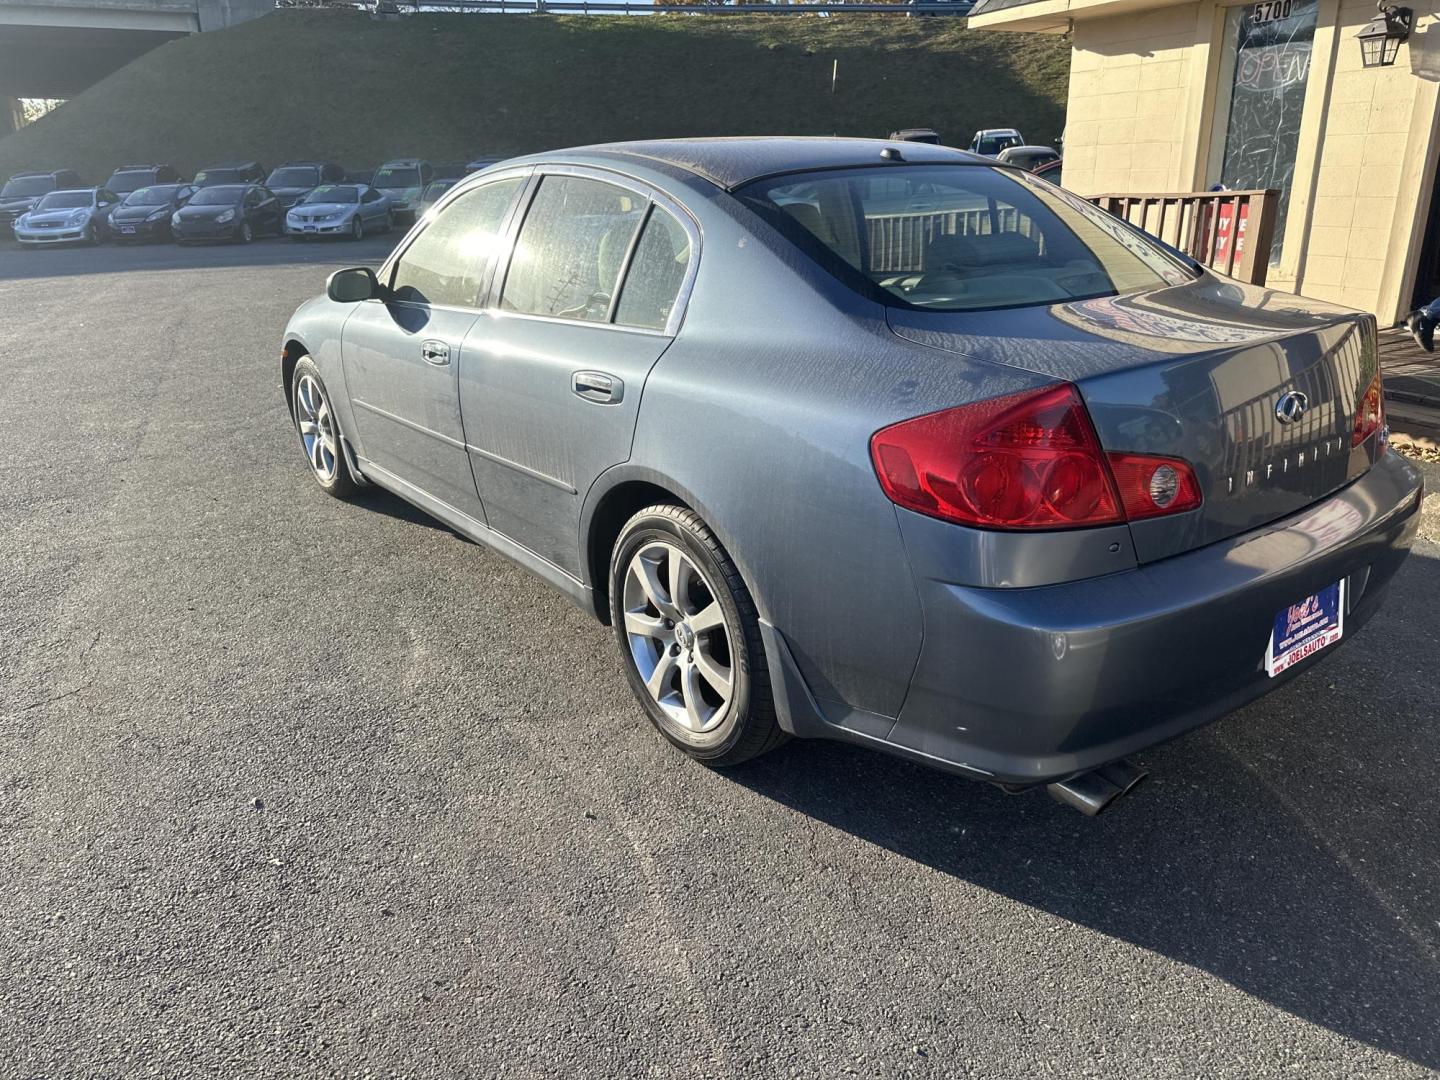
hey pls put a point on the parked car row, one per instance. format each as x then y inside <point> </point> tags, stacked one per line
<point>1002,144</point>
<point>233,200</point>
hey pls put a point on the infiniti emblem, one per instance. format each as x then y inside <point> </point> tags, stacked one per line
<point>1291,407</point>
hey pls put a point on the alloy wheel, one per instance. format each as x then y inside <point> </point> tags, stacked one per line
<point>317,428</point>
<point>678,637</point>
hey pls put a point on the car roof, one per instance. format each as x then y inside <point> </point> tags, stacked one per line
<point>730,163</point>
<point>139,168</point>
<point>1031,148</point>
<point>229,165</point>
<point>74,191</point>
<point>405,161</point>
<point>998,131</point>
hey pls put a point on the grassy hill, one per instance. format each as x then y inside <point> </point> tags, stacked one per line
<point>344,87</point>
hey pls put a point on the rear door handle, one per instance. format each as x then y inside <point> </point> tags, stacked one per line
<point>597,386</point>
<point>435,352</point>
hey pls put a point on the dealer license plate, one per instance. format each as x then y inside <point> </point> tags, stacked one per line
<point>1305,628</point>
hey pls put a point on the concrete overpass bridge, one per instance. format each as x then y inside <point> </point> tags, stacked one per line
<point>57,48</point>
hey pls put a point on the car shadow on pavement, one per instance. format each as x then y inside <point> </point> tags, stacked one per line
<point>379,501</point>
<point>1289,849</point>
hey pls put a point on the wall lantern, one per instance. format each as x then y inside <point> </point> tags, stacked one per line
<point>1380,40</point>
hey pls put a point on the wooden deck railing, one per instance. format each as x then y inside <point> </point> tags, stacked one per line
<point>1229,231</point>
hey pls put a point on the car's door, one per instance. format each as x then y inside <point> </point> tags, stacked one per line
<point>267,210</point>
<point>551,379</point>
<point>402,355</point>
<point>250,209</point>
<point>372,213</point>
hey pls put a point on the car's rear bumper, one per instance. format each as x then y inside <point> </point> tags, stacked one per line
<point>1030,685</point>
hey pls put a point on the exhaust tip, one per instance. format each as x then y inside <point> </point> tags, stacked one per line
<point>1093,791</point>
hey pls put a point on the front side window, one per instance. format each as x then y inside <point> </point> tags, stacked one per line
<point>445,263</point>
<point>652,284</point>
<point>568,257</point>
<point>960,237</point>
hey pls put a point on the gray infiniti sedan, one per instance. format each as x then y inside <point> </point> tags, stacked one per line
<point>886,443</point>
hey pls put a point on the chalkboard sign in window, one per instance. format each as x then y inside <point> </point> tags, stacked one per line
<point>1264,71</point>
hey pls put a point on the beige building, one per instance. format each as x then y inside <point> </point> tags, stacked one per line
<point>1175,96</point>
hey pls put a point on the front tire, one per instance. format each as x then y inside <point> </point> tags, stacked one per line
<point>246,233</point>
<point>690,638</point>
<point>357,229</point>
<point>319,431</point>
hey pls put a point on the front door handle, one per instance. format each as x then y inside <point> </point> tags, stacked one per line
<point>597,386</point>
<point>435,352</point>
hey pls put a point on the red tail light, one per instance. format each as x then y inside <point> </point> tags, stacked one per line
<point>1370,416</point>
<point>1024,461</point>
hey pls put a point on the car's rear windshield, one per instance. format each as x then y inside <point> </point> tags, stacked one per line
<point>397,177</point>
<point>22,187</point>
<point>294,176</point>
<point>1030,158</point>
<point>333,193</point>
<point>150,196</point>
<point>438,188</point>
<point>66,200</point>
<point>124,181</point>
<point>959,237</point>
<point>218,196</point>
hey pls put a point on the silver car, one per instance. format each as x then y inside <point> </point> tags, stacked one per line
<point>879,442</point>
<point>74,216</point>
<point>340,210</point>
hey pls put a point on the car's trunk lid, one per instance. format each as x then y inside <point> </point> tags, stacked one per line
<point>1196,371</point>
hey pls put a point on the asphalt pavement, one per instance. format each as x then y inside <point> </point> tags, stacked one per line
<point>290,786</point>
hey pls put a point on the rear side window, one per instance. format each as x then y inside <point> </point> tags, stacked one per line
<point>652,285</point>
<point>571,248</point>
<point>445,263</point>
<point>960,237</point>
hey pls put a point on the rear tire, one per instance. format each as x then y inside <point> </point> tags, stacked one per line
<point>689,636</point>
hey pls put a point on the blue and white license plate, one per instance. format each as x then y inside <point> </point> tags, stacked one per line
<point>1305,628</point>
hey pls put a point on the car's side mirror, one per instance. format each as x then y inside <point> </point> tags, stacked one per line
<point>352,285</point>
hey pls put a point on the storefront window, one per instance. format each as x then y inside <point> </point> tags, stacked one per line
<point>1264,70</point>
